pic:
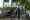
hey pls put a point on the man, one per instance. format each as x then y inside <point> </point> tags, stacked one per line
<point>18,13</point>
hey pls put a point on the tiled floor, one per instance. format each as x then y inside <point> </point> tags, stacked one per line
<point>9,18</point>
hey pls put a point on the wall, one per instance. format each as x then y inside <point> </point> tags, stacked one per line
<point>10,2</point>
<point>1,3</point>
<point>28,12</point>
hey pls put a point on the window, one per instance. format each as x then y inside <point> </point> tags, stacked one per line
<point>6,0</point>
<point>28,0</point>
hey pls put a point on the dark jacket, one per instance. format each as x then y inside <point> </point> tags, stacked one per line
<point>18,13</point>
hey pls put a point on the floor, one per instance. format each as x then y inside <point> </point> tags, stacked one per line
<point>9,18</point>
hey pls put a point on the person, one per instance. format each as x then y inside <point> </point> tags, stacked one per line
<point>22,11</point>
<point>18,13</point>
